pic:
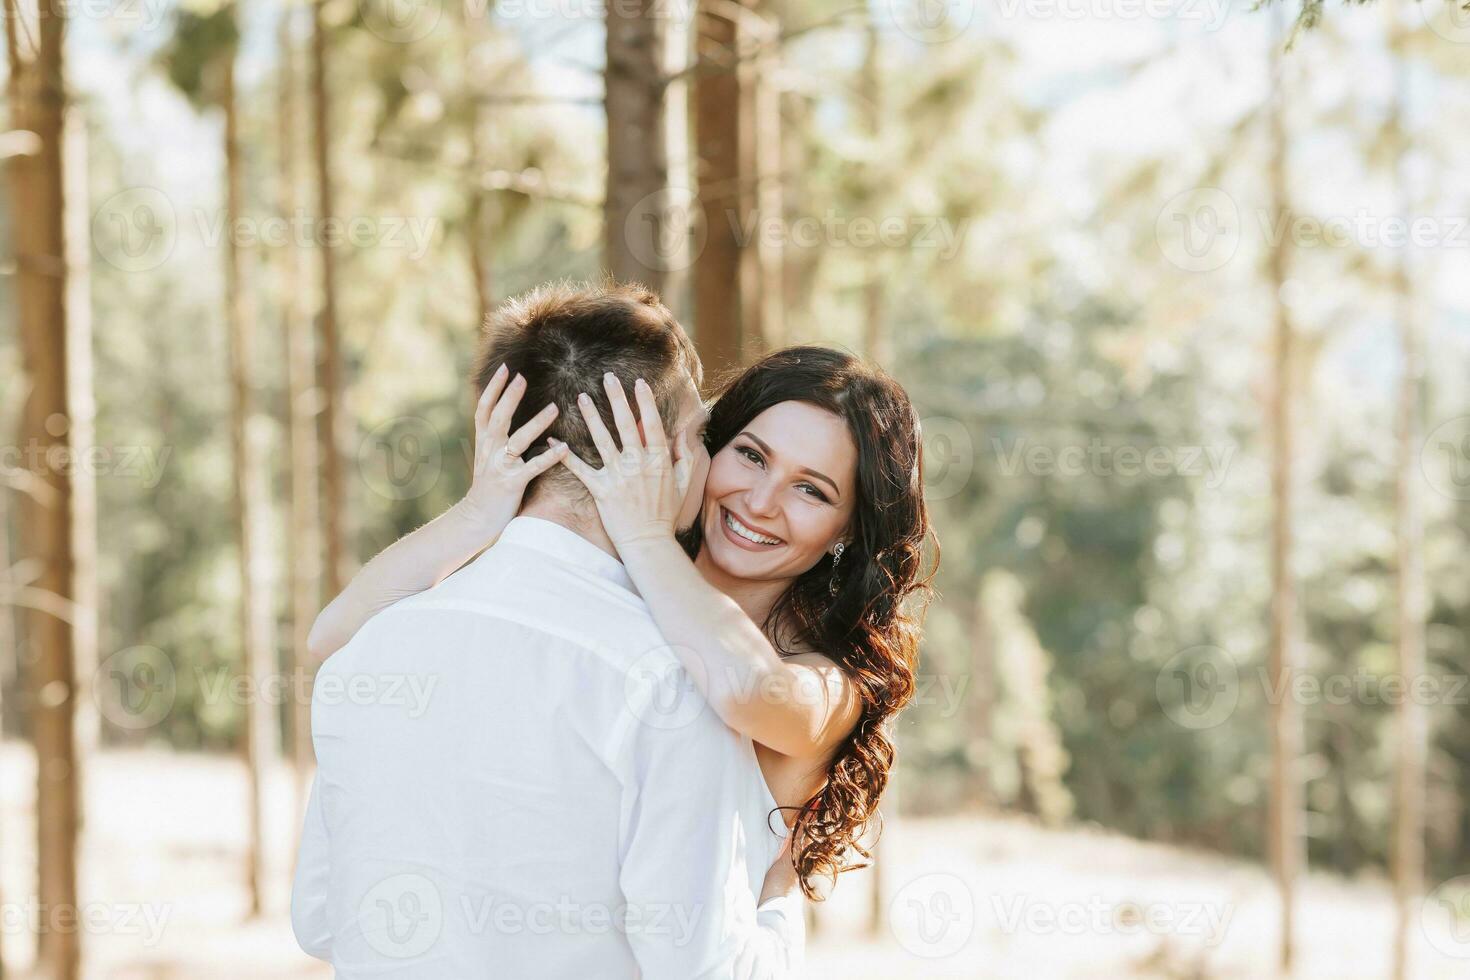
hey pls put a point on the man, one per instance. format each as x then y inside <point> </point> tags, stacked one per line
<point>514,777</point>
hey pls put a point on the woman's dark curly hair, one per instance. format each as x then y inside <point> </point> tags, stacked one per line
<point>865,613</point>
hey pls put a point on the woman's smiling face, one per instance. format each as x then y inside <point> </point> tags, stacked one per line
<point>780,493</point>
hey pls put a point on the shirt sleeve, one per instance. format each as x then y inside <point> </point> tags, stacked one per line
<point>691,914</point>
<point>309,890</point>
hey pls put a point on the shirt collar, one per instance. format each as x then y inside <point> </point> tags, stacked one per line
<point>566,545</point>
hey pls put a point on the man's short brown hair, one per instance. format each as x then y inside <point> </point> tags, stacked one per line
<point>563,337</point>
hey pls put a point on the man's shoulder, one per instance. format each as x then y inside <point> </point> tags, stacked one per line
<point>541,594</point>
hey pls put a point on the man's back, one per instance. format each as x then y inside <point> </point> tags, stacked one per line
<point>481,798</point>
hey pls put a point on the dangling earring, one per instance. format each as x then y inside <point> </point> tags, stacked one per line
<point>836,557</point>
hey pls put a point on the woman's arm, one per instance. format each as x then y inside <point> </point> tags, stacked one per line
<point>798,706</point>
<point>421,560</point>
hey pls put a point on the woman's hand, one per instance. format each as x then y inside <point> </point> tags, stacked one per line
<point>499,479</point>
<point>639,488</point>
<point>781,877</point>
<point>421,560</point>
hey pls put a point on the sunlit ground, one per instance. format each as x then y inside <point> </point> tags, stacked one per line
<point>163,894</point>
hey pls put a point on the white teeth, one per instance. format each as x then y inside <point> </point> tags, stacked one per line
<point>746,532</point>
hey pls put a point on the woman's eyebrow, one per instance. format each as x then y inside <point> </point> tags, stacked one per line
<point>807,470</point>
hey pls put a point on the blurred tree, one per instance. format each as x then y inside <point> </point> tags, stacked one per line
<point>1409,604</point>
<point>37,96</point>
<point>9,639</point>
<point>201,62</point>
<point>304,546</point>
<point>81,432</point>
<point>1285,811</point>
<point>738,273</point>
<point>1022,666</point>
<point>763,203</point>
<point>870,98</point>
<point>330,428</point>
<point>639,230</point>
<point>718,156</point>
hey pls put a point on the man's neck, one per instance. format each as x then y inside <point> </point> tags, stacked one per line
<point>580,520</point>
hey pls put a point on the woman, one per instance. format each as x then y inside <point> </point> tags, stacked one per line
<point>794,613</point>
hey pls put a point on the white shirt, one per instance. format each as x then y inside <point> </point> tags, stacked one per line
<point>516,779</point>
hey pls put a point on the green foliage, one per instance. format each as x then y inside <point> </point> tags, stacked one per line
<point>200,45</point>
<point>1053,326</point>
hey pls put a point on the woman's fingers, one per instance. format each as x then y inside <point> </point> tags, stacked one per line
<point>683,473</point>
<point>601,438</point>
<point>522,438</point>
<point>653,423</point>
<point>579,467</point>
<point>487,397</point>
<point>505,407</point>
<point>558,453</point>
<point>622,413</point>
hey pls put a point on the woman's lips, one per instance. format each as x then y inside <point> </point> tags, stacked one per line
<point>736,539</point>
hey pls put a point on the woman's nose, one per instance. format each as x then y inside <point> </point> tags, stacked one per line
<point>761,499</point>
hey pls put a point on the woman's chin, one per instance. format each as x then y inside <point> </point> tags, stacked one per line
<point>742,563</point>
<point>732,559</point>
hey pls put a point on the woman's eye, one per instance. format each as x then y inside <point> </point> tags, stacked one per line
<point>808,488</point>
<point>749,454</point>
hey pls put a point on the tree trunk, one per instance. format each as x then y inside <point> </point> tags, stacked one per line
<point>329,355</point>
<point>37,98</point>
<point>718,295</point>
<point>1408,832</point>
<point>637,242</point>
<point>82,432</point>
<point>9,640</point>
<point>474,238</point>
<point>255,617</point>
<point>473,34</point>
<point>304,557</point>
<point>1284,811</point>
<point>982,704</point>
<point>762,313</point>
<point>875,344</point>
